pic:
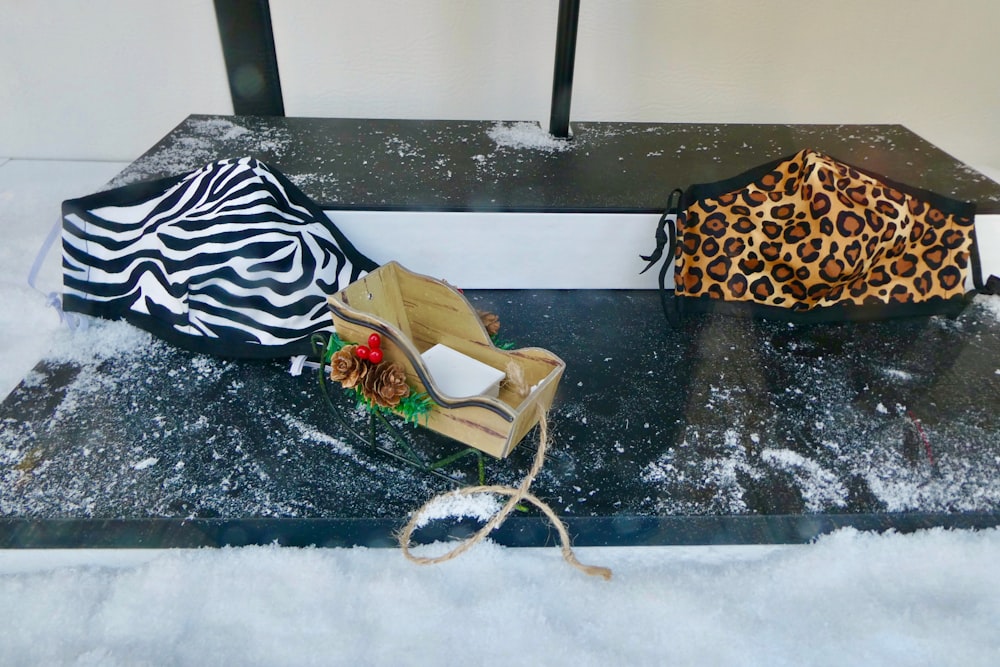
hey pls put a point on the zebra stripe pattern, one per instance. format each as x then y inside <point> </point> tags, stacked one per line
<point>232,259</point>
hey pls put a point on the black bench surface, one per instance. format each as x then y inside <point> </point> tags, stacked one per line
<point>720,431</point>
<point>457,165</point>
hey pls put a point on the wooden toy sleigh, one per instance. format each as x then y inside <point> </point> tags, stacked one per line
<point>425,325</point>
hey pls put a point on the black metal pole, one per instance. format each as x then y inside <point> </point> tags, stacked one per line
<point>562,76</point>
<point>251,62</point>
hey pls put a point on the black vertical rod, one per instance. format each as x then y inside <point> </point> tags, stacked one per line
<point>251,62</point>
<point>562,76</point>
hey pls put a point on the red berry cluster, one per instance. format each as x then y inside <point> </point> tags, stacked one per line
<point>373,351</point>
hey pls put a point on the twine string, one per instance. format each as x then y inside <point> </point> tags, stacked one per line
<point>515,496</point>
<point>515,380</point>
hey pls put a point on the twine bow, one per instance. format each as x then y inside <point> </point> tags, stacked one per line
<point>521,493</point>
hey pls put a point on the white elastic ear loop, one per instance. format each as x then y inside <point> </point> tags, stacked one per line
<point>53,299</point>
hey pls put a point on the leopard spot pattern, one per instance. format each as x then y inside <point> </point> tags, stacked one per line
<point>815,232</point>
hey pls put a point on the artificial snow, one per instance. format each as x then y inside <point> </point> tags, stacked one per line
<point>96,340</point>
<point>528,136</point>
<point>452,505</point>
<point>851,598</point>
<point>31,192</point>
<point>989,302</point>
<point>195,151</point>
<point>148,462</point>
<point>820,488</point>
<point>929,598</point>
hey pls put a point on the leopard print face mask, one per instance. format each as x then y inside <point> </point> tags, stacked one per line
<point>810,238</point>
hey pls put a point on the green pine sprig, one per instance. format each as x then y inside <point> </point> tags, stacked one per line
<point>333,346</point>
<point>502,344</point>
<point>414,406</point>
<point>411,408</point>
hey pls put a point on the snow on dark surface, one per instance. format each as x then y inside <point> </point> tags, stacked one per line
<point>723,417</point>
<point>487,165</point>
<point>929,598</point>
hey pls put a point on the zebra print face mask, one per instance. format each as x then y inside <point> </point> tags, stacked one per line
<point>231,259</point>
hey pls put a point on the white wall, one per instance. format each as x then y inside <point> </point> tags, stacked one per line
<point>105,79</point>
<point>451,59</point>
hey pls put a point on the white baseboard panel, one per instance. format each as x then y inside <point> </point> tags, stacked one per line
<point>510,250</point>
<point>538,250</point>
<point>988,237</point>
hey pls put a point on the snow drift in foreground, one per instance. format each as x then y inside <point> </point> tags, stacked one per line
<point>850,599</point>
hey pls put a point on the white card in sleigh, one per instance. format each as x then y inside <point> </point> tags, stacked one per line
<point>401,316</point>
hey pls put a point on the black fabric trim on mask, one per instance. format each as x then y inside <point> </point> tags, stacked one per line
<point>700,191</point>
<point>951,308</point>
<point>128,195</point>
<point>976,263</point>
<point>948,307</point>
<point>231,343</point>
<point>354,256</point>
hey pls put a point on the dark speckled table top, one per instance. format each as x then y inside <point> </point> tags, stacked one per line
<point>485,165</point>
<point>725,430</point>
<point>721,431</point>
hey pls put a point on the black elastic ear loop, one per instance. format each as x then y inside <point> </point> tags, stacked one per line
<point>666,237</point>
<point>977,265</point>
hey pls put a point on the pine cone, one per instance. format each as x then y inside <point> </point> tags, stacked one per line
<point>490,321</point>
<point>346,368</point>
<point>385,384</point>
